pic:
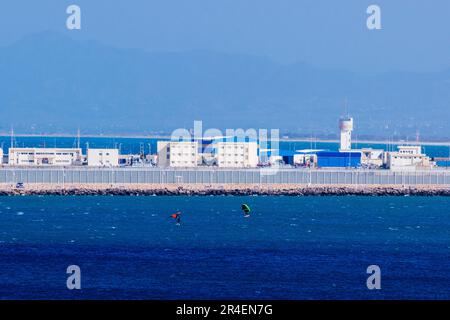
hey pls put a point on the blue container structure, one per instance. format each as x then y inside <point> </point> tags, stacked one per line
<point>330,159</point>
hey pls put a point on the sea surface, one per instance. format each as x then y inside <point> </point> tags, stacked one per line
<point>289,248</point>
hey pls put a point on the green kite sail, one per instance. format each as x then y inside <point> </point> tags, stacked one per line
<point>245,208</point>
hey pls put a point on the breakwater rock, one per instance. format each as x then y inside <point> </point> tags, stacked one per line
<point>218,190</point>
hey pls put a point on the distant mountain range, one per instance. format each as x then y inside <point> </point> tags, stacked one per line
<point>53,83</point>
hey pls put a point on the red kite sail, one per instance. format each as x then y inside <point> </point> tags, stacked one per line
<point>175,215</point>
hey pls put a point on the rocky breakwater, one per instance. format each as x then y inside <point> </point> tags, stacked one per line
<point>236,190</point>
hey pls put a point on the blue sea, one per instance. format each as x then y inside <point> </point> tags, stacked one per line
<point>289,248</point>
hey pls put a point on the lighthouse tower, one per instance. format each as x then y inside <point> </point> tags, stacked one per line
<point>346,127</point>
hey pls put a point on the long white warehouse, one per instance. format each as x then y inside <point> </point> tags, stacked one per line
<point>44,156</point>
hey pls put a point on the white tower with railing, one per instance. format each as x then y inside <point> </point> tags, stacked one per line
<point>346,127</point>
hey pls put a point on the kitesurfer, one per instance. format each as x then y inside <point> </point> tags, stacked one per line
<point>177,217</point>
<point>246,210</point>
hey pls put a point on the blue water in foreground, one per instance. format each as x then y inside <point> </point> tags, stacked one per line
<point>290,248</point>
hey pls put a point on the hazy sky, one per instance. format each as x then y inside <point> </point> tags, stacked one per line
<point>415,34</point>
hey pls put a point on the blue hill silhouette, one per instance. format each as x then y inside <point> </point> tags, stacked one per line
<point>53,83</point>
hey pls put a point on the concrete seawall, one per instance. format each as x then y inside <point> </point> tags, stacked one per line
<point>210,181</point>
<point>237,190</point>
<point>214,176</point>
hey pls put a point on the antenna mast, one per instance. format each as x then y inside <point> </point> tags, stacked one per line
<point>12,137</point>
<point>346,108</point>
<point>78,138</point>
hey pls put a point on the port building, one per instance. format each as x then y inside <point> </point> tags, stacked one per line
<point>224,152</point>
<point>278,157</point>
<point>408,158</point>
<point>345,157</point>
<point>329,159</point>
<point>102,157</point>
<point>304,158</point>
<point>237,154</point>
<point>372,158</point>
<point>348,157</point>
<point>178,153</point>
<point>44,156</point>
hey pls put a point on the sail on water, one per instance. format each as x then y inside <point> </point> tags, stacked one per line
<point>246,210</point>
